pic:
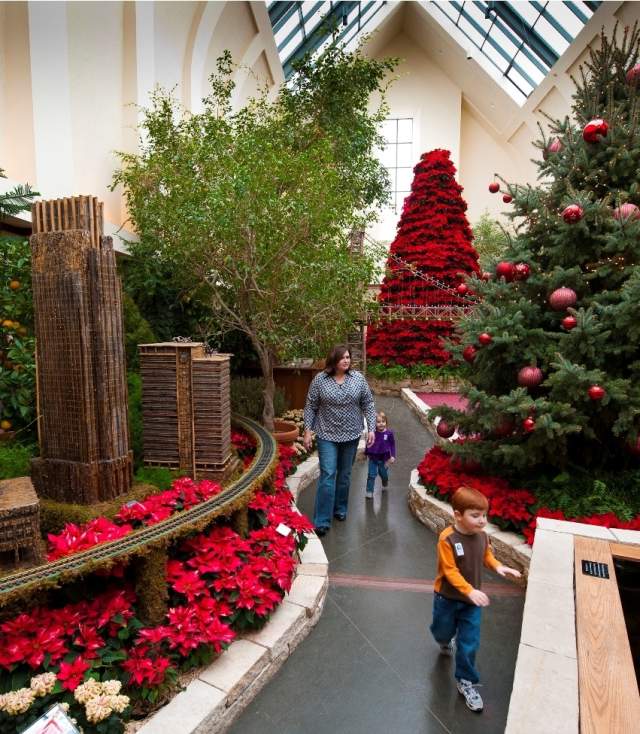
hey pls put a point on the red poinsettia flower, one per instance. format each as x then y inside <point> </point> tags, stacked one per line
<point>71,674</point>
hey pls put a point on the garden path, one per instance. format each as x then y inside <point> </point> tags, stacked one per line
<point>370,664</point>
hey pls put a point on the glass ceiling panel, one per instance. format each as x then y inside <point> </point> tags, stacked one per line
<point>518,42</point>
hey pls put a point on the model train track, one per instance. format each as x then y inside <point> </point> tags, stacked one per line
<point>166,530</point>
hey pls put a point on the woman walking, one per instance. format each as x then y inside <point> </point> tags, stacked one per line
<point>338,400</point>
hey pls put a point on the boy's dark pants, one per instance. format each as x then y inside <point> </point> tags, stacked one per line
<point>462,620</point>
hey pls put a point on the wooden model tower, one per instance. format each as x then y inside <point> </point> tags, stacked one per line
<point>186,408</point>
<point>82,389</point>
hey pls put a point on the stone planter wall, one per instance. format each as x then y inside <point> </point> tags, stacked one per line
<point>509,548</point>
<point>386,387</point>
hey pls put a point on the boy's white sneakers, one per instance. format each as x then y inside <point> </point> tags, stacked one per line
<point>471,697</point>
<point>368,495</point>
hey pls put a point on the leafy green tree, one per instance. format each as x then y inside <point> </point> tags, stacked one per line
<point>251,210</point>
<point>17,344</point>
<point>490,240</point>
<point>579,232</point>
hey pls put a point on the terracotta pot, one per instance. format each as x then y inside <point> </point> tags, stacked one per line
<point>285,432</point>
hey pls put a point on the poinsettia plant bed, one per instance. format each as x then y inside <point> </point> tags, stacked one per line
<point>219,583</point>
<point>510,508</point>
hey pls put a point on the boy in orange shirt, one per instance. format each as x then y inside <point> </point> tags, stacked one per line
<point>463,549</point>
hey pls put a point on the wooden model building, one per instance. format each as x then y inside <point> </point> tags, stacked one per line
<point>80,359</point>
<point>186,408</point>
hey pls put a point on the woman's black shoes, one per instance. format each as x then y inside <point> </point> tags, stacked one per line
<point>321,531</point>
<point>340,516</point>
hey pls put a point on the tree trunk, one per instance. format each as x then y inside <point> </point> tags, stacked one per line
<point>266,363</point>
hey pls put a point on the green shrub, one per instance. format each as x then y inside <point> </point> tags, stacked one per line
<point>159,476</point>
<point>15,459</point>
<point>490,239</point>
<point>17,344</point>
<point>136,331</point>
<point>396,373</point>
<point>247,397</point>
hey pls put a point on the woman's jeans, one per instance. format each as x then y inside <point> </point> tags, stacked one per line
<point>376,467</point>
<point>462,621</point>
<point>332,495</point>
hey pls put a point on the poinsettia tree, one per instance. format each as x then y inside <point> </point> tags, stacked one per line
<point>434,238</point>
<point>555,341</point>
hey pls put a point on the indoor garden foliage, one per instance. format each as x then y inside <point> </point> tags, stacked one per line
<point>251,210</point>
<point>554,343</point>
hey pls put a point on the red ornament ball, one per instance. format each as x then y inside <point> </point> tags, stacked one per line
<point>505,270</point>
<point>596,392</point>
<point>521,271</point>
<point>572,213</point>
<point>494,187</point>
<point>444,430</point>
<point>507,198</point>
<point>485,338</point>
<point>633,75</point>
<point>485,275</point>
<point>562,298</point>
<point>624,212</point>
<point>469,353</point>
<point>594,130</point>
<point>569,322</point>
<point>530,376</point>
<point>555,146</point>
<point>462,289</point>
<point>528,425</point>
<point>504,427</point>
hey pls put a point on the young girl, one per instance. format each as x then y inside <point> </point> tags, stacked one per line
<point>381,453</point>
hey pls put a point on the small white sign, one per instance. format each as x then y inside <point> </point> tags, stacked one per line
<point>283,529</point>
<point>459,549</point>
<point>54,721</point>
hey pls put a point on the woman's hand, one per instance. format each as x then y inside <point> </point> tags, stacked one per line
<point>307,439</point>
<point>370,439</point>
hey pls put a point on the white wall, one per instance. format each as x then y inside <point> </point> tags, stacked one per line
<point>72,73</point>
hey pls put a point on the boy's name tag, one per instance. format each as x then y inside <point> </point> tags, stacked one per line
<point>283,529</point>
<point>459,549</point>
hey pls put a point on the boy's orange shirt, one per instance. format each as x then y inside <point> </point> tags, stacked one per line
<point>460,561</point>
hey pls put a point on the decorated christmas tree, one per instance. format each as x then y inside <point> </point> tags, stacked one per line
<point>554,344</point>
<point>428,259</point>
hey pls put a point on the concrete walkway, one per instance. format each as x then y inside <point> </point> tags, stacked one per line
<point>370,665</point>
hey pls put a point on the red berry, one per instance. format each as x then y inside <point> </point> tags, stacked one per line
<point>596,392</point>
<point>485,338</point>
<point>569,322</point>
<point>507,198</point>
<point>494,187</point>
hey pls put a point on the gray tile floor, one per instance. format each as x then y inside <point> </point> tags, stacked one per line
<point>370,664</point>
